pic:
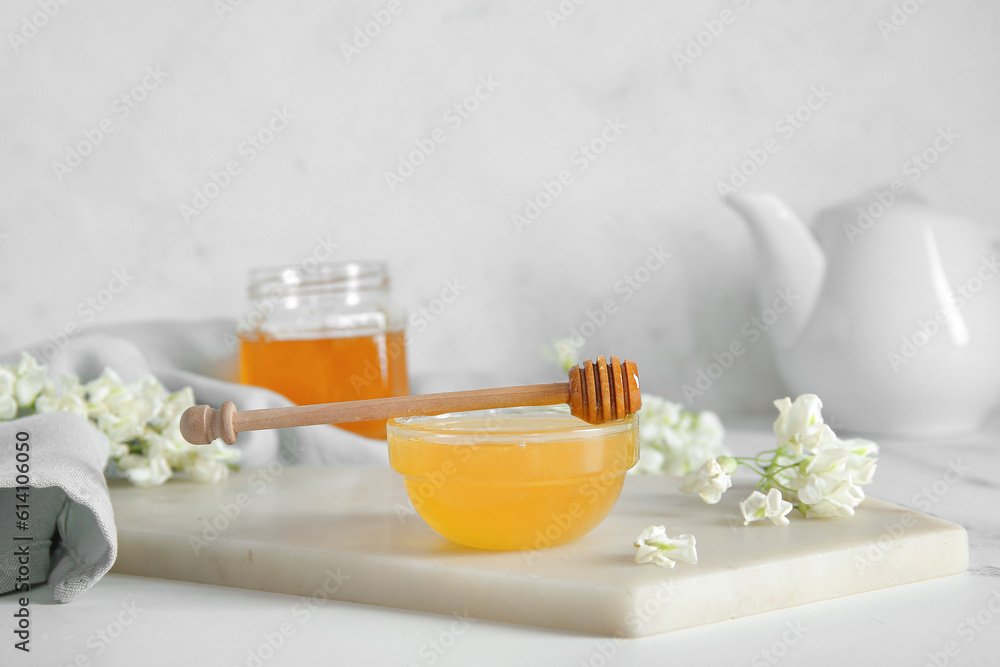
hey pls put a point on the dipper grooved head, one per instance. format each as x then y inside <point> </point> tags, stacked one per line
<point>602,390</point>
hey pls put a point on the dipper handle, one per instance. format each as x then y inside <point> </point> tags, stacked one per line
<point>597,391</point>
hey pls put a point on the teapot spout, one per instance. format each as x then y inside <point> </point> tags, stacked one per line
<point>791,264</point>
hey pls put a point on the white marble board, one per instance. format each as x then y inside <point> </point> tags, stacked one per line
<point>349,533</point>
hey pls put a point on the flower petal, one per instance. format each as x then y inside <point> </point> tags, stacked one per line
<point>777,508</point>
<point>8,407</point>
<point>753,508</point>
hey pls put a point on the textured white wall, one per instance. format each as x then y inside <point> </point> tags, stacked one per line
<point>323,176</point>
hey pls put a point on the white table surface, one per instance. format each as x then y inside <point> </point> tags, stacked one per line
<point>126,620</point>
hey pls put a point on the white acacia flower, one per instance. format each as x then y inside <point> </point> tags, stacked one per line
<point>126,405</point>
<point>799,423</point>
<point>711,480</point>
<point>65,403</point>
<point>219,451</point>
<point>828,484</point>
<point>8,384</point>
<point>145,471</point>
<point>675,441</point>
<point>119,429</point>
<point>70,384</point>
<point>7,381</point>
<point>860,446</point>
<point>8,407</point>
<point>176,453</point>
<point>772,506</point>
<point>141,420</point>
<point>204,463</point>
<point>8,403</point>
<point>650,460</point>
<point>204,469</point>
<point>862,461</point>
<point>829,463</point>
<point>173,406</point>
<point>21,385</point>
<point>655,546</point>
<point>71,398</point>
<point>117,450</point>
<point>31,380</point>
<point>151,396</point>
<point>829,497</point>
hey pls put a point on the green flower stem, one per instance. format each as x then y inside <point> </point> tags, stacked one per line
<point>769,471</point>
<point>760,455</point>
<point>746,462</point>
<point>770,483</point>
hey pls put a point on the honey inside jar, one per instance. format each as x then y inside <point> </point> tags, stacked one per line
<point>324,333</point>
<point>328,370</point>
<point>522,478</point>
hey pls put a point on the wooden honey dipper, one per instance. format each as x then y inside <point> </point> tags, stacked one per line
<point>597,392</point>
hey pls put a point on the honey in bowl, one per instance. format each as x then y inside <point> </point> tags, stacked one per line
<point>329,370</point>
<point>514,478</point>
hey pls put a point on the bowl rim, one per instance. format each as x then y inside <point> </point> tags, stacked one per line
<point>436,429</point>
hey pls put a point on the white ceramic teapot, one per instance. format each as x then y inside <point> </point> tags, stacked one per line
<point>896,316</point>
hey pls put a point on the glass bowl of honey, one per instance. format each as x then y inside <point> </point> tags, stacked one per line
<point>512,478</point>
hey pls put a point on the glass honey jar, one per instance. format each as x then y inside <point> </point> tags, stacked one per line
<point>325,334</point>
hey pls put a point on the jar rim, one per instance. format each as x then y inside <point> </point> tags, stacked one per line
<point>318,277</point>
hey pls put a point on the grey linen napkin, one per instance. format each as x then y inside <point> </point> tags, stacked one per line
<point>65,505</point>
<point>69,507</point>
